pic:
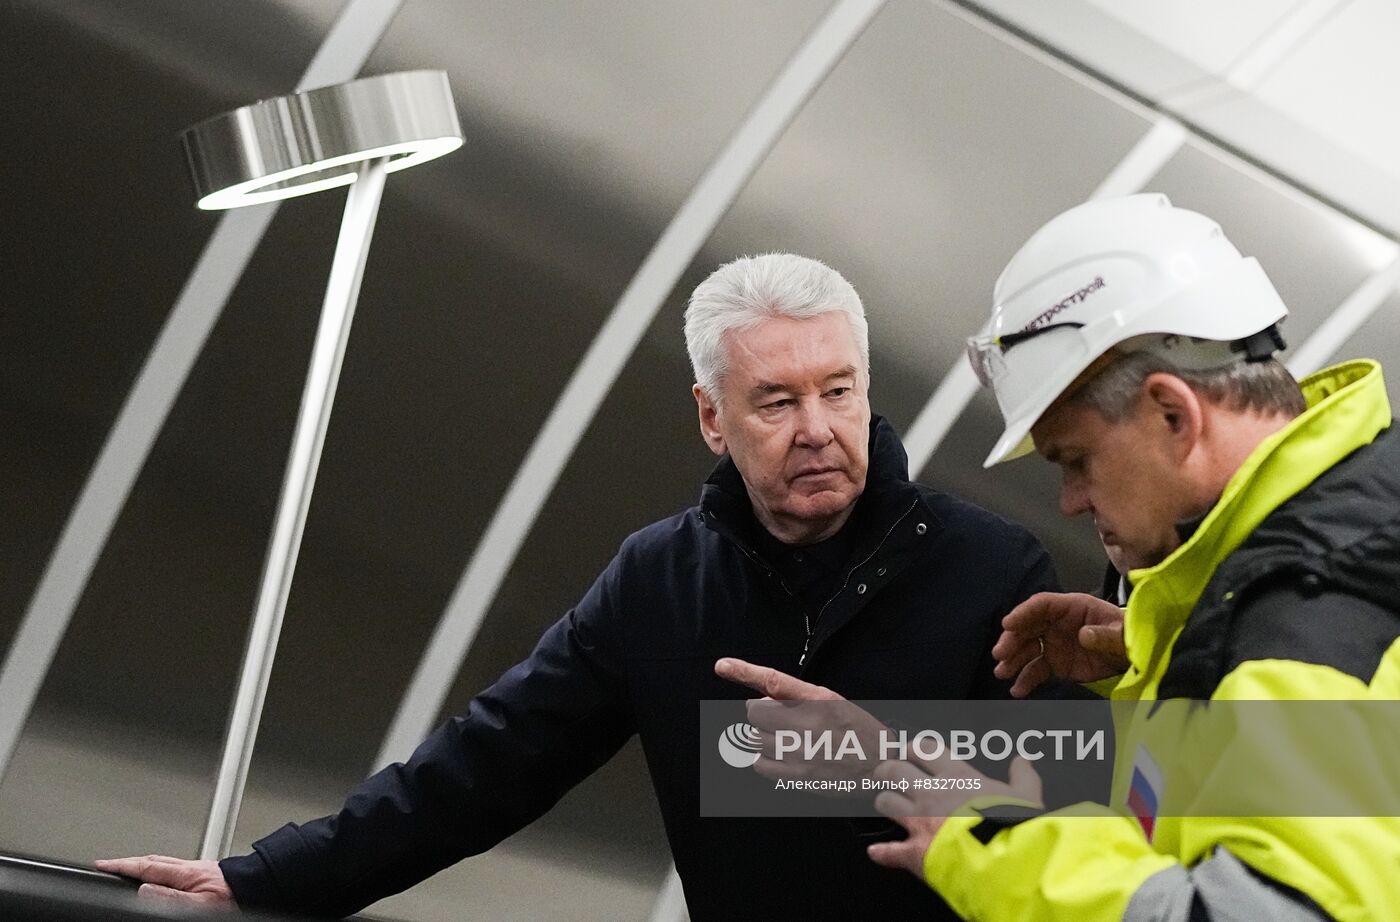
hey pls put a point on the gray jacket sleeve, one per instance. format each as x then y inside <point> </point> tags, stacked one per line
<point>1220,889</point>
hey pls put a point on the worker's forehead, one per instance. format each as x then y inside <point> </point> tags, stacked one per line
<point>1067,424</point>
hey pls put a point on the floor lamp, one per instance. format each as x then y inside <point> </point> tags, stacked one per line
<point>350,134</point>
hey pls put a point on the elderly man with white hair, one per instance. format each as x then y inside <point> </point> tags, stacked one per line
<point>810,552</point>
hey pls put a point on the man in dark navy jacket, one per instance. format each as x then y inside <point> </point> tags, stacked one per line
<point>810,551</point>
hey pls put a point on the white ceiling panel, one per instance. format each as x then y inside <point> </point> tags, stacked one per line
<point>1112,47</point>
<point>1343,82</point>
<point>1307,88</point>
<point>1210,34</point>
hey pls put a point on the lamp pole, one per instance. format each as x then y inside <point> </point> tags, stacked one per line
<point>337,312</point>
<point>348,134</point>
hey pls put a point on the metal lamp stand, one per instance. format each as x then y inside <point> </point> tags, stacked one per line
<point>349,134</point>
<point>337,312</point>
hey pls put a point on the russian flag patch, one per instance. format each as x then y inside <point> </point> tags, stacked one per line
<point>1145,791</point>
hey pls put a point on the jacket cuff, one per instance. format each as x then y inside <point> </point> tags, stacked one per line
<point>250,880</point>
<point>971,820</point>
<point>1082,862</point>
<point>261,880</point>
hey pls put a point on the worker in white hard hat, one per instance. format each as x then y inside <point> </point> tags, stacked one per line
<point>1258,519</point>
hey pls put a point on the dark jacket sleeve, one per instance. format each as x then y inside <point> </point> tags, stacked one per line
<point>544,726</point>
<point>1029,569</point>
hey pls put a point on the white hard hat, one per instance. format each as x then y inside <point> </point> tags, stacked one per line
<point>1130,272</point>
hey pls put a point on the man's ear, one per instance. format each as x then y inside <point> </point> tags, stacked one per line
<point>709,420</point>
<point>1179,407</point>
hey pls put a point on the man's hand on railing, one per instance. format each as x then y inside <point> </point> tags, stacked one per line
<point>174,878</point>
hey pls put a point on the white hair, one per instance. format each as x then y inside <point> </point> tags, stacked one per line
<point>743,293</point>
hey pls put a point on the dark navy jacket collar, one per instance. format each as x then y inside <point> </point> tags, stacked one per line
<point>888,494</point>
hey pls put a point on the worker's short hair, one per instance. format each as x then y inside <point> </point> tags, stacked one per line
<point>1265,386</point>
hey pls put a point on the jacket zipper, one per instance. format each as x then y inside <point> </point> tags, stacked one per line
<point>810,624</point>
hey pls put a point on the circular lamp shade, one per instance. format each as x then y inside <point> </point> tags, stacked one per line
<point>306,142</point>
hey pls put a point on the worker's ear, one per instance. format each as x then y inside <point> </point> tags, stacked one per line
<point>709,420</point>
<point>1179,409</point>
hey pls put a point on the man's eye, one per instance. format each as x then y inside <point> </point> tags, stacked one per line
<point>778,404</point>
<point>838,392</point>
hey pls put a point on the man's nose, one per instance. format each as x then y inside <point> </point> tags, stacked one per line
<point>1074,499</point>
<point>813,425</point>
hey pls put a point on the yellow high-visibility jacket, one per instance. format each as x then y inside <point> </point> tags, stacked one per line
<point>1288,590</point>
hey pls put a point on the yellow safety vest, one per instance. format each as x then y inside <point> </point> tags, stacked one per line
<point>1086,863</point>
